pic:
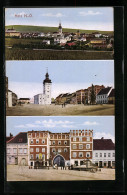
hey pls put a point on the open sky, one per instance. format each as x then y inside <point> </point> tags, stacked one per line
<point>88,18</point>
<point>101,126</point>
<point>25,78</point>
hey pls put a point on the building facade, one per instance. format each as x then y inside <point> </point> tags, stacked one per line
<point>24,100</point>
<point>17,150</point>
<point>11,98</point>
<point>45,97</point>
<point>81,146</point>
<point>38,148</point>
<point>104,153</point>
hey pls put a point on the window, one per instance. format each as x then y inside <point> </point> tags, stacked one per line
<point>74,154</point>
<point>109,155</point>
<point>9,158</point>
<point>59,149</point>
<point>43,141</point>
<point>96,154</point>
<point>43,149</point>
<point>80,146</point>
<point>31,156</point>
<point>87,146</point>
<point>25,150</point>
<point>31,149</point>
<point>53,142</point>
<point>113,155</point>
<point>88,154</point>
<point>74,139</point>
<point>59,142</point>
<point>65,149</point>
<point>80,139</point>
<point>104,154</point>
<point>15,150</point>
<point>8,150</point>
<point>87,139</point>
<point>53,150</point>
<point>37,149</point>
<point>20,140</point>
<point>74,146</point>
<point>31,141</point>
<point>80,154</point>
<point>43,156</point>
<point>100,154</point>
<point>37,156</point>
<point>20,150</point>
<point>37,141</point>
<point>65,142</point>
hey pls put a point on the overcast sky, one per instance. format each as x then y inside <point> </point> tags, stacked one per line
<point>101,126</point>
<point>26,77</point>
<point>88,18</point>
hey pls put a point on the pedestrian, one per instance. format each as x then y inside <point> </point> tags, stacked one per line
<point>62,105</point>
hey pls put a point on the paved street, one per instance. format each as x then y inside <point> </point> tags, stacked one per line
<point>23,173</point>
<point>57,110</point>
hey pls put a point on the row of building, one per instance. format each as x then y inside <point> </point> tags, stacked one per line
<point>94,40</point>
<point>83,96</point>
<point>44,148</point>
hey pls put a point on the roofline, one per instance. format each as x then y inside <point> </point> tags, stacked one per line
<point>15,136</point>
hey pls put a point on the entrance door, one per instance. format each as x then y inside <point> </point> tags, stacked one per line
<point>23,162</point>
<point>109,164</point>
<point>16,160</point>
<point>100,164</point>
<point>59,160</point>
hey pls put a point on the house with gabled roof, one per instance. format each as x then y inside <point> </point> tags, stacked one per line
<point>104,153</point>
<point>102,96</point>
<point>17,149</point>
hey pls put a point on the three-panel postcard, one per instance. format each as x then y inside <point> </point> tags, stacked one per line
<point>63,129</point>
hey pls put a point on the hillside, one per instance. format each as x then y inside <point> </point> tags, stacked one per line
<point>45,29</point>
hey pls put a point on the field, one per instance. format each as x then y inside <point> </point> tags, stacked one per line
<point>57,110</point>
<point>33,49</point>
<point>45,29</point>
<point>23,173</point>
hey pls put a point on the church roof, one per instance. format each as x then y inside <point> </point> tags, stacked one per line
<point>47,80</point>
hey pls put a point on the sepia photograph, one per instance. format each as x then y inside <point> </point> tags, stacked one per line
<point>82,33</point>
<point>60,148</point>
<point>60,88</point>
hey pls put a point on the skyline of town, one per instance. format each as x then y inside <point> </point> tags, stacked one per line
<point>98,18</point>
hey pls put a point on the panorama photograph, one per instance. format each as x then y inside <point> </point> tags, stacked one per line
<point>85,33</point>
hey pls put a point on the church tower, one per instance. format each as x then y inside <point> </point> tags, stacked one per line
<point>60,28</point>
<point>47,89</point>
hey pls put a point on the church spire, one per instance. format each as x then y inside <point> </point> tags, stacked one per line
<point>47,80</point>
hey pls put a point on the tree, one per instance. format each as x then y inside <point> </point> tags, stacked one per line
<point>93,96</point>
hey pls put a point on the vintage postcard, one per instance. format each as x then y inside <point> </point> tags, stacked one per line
<point>60,88</point>
<point>59,33</point>
<point>61,82</point>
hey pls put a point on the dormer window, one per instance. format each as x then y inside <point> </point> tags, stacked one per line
<point>20,140</point>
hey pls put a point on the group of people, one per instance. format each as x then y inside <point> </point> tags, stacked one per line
<point>63,105</point>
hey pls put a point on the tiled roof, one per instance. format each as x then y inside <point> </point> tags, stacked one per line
<point>20,138</point>
<point>104,91</point>
<point>103,144</point>
<point>112,94</point>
